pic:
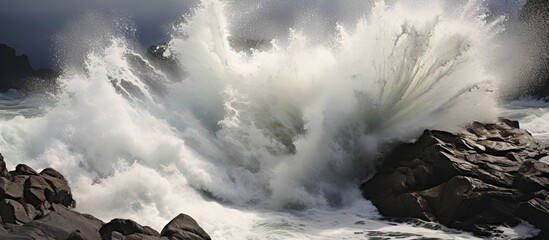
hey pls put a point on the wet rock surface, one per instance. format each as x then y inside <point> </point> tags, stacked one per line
<point>38,205</point>
<point>485,176</point>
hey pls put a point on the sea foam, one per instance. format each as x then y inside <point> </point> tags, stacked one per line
<point>242,139</point>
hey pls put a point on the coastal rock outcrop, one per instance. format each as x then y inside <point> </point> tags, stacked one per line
<point>38,206</point>
<point>486,176</point>
<point>184,227</point>
<point>16,72</point>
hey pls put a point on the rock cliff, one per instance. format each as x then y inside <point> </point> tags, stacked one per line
<point>486,176</point>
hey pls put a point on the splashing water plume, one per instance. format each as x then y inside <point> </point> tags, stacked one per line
<point>296,126</point>
<point>307,119</point>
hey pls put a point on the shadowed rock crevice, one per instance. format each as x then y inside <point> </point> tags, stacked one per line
<point>487,175</point>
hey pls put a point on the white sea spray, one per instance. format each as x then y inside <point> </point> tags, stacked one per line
<point>269,144</point>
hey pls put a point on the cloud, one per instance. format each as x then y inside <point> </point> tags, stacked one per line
<point>29,25</point>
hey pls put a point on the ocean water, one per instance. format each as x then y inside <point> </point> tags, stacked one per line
<point>270,144</point>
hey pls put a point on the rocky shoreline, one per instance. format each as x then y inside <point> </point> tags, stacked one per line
<point>38,206</point>
<point>486,176</point>
<point>16,72</point>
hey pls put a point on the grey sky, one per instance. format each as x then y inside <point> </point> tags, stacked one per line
<point>29,25</point>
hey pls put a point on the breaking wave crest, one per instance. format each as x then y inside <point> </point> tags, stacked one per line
<point>296,125</point>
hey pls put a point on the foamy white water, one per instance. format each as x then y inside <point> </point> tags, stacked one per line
<point>271,145</point>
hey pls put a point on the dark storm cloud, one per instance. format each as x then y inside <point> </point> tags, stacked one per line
<point>29,25</point>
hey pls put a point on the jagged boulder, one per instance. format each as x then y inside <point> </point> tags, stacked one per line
<point>125,227</point>
<point>36,206</point>
<point>12,187</point>
<point>26,195</point>
<point>16,72</point>
<point>36,189</point>
<point>3,169</point>
<point>13,212</point>
<point>184,227</point>
<point>62,222</point>
<point>26,185</point>
<point>61,192</point>
<point>487,175</point>
<point>22,169</point>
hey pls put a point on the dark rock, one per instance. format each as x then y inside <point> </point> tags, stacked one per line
<point>468,203</point>
<point>12,67</point>
<point>52,173</point>
<point>32,233</point>
<point>481,177</point>
<point>76,235</point>
<point>135,236</point>
<point>25,185</point>
<point>36,189</point>
<point>43,209</point>
<point>16,72</point>
<point>13,212</point>
<point>8,236</point>
<point>22,169</point>
<point>14,188</point>
<point>3,169</point>
<point>4,185</point>
<point>61,191</point>
<point>184,227</point>
<point>35,206</point>
<point>31,211</point>
<point>536,212</point>
<point>62,222</point>
<point>125,227</point>
<point>532,176</point>
<point>114,236</point>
